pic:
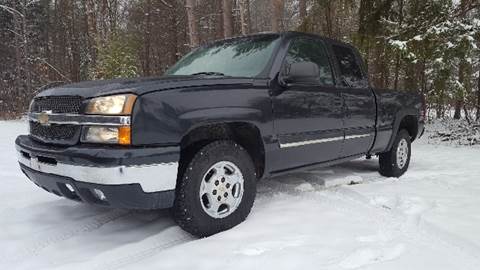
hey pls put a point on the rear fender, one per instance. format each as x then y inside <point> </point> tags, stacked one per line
<point>396,124</point>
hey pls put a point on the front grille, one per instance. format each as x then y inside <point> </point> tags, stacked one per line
<point>57,104</point>
<point>64,134</point>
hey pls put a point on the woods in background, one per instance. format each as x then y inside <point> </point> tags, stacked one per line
<point>427,46</point>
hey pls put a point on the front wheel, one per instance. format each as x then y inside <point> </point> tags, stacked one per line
<point>395,162</point>
<point>217,189</point>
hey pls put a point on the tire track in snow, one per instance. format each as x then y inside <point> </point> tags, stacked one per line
<point>67,231</point>
<point>417,229</point>
<point>390,220</point>
<point>135,252</point>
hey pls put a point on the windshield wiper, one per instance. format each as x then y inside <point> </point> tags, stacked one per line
<point>208,73</point>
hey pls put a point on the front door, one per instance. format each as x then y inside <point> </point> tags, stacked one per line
<point>308,118</point>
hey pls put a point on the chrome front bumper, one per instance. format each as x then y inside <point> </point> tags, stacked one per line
<point>154,169</point>
<point>152,177</point>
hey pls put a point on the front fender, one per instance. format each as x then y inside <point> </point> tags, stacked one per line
<point>211,116</point>
<point>165,117</point>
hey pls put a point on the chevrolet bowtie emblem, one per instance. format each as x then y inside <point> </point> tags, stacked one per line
<point>43,118</point>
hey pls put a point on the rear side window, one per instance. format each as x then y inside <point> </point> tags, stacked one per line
<point>349,67</point>
<point>309,50</point>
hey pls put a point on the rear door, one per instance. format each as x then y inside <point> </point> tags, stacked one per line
<point>308,117</point>
<point>360,105</point>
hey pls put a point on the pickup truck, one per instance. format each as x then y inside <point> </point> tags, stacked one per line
<point>228,114</point>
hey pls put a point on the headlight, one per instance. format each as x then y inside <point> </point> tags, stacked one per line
<point>111,105</point>
<point>102,134</point>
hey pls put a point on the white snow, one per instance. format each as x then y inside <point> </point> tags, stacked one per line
<point>401,45</point>
<point>342,217</point>
<point>418,38</point>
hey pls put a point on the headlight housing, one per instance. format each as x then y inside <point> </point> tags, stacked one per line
<point>106,134</point>
<point>120,105</point>
<point>111,105</point>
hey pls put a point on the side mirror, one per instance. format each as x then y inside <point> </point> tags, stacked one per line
<point>301,73</point>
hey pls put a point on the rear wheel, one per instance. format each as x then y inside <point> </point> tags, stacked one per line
<point>395,162</point>
<point>217,189</point>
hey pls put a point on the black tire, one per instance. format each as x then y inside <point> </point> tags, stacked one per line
<point>188,210</point>
<point>389,163</point>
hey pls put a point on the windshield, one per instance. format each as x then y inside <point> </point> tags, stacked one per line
<point>246,57</point>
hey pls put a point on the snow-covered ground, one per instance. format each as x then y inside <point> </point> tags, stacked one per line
<point>427,219</point>
<point>454,132</point>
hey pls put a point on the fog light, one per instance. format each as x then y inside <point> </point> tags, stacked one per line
<point>99,194</point>
<point>70,188</point>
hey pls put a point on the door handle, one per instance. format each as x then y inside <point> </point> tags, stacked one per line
<point>338,102</point>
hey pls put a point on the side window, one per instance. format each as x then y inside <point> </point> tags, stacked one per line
<point>349,67</point>
<point>309,50</point>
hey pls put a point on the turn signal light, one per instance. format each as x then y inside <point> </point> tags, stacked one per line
<point>124,135</point>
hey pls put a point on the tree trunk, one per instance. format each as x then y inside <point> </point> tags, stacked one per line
<point>227,18</point>
<point>458,109</point>
<point>26,50</point>
<point>478,98</point>
<point>460,94</point>
<point>467,117</point>
<point>277,15</point>
<point>174,41</point>
<point>103,22</point>
<point>397,57</point>
<point>411,80</point>
<point>461,78</point>
<point>397,71</point>
<point>91,31</point>
<point>147,39</point>
<point>302,4</point>
<point>18,53</point>
<point>365,9</point>
<point>75,47</point>
<point>439,110</point>
<point>329,18</point>
<point>244,6</point>
<point>192,24</point>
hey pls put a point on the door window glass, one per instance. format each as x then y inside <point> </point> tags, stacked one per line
<point>350,70</point>
<point>309,50</point>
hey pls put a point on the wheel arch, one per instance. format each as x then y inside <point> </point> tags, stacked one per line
<point>245,133</point>
<point>407,120</point>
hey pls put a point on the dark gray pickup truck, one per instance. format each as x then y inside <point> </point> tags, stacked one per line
<point>199,138</point>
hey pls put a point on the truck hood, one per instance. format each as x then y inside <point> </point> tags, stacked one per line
<point>139,86</point>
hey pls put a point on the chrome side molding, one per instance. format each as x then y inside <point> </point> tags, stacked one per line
<point>357,136</point>
<point>302,143</point>
<point>325,140</point>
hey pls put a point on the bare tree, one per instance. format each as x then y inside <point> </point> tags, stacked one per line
<point>302,6</point>
<point>277,16</point>
<point>478,98</point>
<point>23,68</point>
<point>459,102</point>
<point>244,6</point>
<point>192,24</point>
<point>227,18</point>
<point>92,30</point>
